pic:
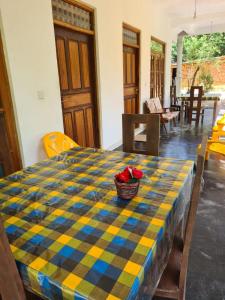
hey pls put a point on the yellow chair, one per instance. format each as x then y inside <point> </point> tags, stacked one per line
<point>215,144</point>
<point>57,142</point>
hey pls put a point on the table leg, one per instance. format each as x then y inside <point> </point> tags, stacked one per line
<point>182,114</point>
<point>214,112</point>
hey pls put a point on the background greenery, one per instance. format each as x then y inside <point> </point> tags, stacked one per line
<point>201,47</point>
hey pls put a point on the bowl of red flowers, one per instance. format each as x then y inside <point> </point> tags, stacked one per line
<point>127,182</point>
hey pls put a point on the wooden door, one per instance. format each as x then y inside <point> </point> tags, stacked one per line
<point>131,69</point>
<point>131,84</point>
<point>157,69</point>
<point>9,149</point>
<point>75,53</point>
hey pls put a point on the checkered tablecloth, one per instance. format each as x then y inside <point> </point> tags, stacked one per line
<point>71,236</point>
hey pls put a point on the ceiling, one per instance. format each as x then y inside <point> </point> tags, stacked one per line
<point>210,15</point>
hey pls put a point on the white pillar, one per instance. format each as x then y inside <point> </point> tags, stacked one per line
<point>179,61</point>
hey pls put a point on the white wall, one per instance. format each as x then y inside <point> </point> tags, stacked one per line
<point>148,16</point>
<point>110,69</point>
<point>30,49</point>
<point>29,40</point>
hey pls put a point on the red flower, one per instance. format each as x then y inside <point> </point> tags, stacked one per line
<point>128,171</point>
<point>137,173</point>
<point>128,174</point>
<point>123,177</point>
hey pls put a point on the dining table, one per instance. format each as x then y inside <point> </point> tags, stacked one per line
<point>206,101</point>
<point>73,238</point>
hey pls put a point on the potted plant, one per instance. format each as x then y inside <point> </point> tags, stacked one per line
<point>127,183</point>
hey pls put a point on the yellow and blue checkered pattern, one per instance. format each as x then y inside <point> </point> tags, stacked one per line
<point>70,234</point>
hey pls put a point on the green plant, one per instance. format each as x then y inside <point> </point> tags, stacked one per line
<point>206,79</point>
<point>200,48</point>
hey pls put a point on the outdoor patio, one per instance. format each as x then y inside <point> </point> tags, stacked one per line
<point>205,281</point>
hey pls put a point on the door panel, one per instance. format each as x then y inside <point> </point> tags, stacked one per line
<point>80,127</point>
<point>79,99</point>
<point>68,122</point>
<point>129,70</point>
<point>74,64</point>
<point>157,69</point>
<point>75,55</point>
<point>130,106</point>
<point>90,127</point>
<point>157,76</point>
<point>85,65</point>
<point>133,72</point>
<point>62,64</point>
<point>131,79</point>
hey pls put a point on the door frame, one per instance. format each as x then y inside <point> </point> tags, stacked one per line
<point>8,111</point>
<point>153,38</point>
<point>90,32</point>
<point>138,46</point>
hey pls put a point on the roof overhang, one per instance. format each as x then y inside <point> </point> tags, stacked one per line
<point>210,16</point>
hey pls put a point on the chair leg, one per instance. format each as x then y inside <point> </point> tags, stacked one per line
<point>207,155</point>
<point>203,114</point>
<point>174,122</point>
<point>197,119</point>
<point>164,126</point>
<point>189,116</point>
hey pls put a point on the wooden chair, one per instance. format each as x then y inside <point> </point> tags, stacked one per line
<point>11,286</point>
<point>152,133</point>
<point>166,115</point>
<point>173,281</point>
<point>173,99</point>
<point>57,142</point>
<point>195,106</point>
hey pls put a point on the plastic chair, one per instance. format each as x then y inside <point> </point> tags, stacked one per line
<point>57,142</point>
<point>216,144</point>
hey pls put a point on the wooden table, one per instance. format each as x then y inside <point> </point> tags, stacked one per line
<point>214,99</point>
<point>73,238</point>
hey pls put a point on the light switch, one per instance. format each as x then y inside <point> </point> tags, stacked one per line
<point>41,95</point>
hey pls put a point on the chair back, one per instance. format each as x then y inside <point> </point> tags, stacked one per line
<point>158,104</point>
<point>196,94</point>
<point>192,214</point>
<point>173,95</point>
<point>151,106</point>
<point>57,142</point>
<point>11,286</point>
<point>152,132</point>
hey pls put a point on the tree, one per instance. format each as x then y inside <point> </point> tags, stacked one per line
<point>200,48</point>
<point>206,79</point>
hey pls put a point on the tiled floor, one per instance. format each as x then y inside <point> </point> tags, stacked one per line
<point>206,274</point>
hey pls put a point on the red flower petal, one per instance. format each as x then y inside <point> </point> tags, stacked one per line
<point>137,174</point>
